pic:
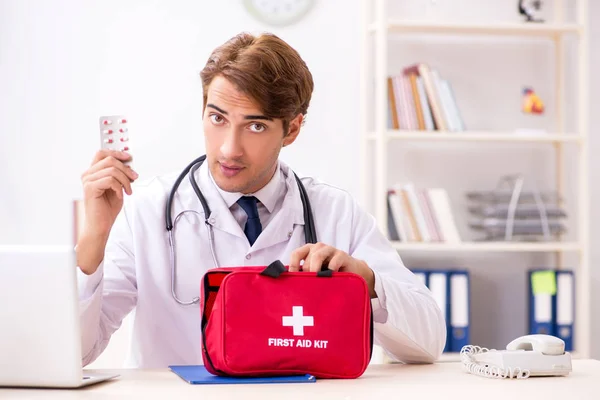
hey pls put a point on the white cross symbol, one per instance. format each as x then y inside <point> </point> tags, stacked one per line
<point>298,320</point>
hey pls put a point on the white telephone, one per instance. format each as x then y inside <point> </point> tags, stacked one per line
<point>530,355</point>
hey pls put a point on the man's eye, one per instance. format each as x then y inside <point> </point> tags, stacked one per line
<point>216,118</point>
<point>257,127</point>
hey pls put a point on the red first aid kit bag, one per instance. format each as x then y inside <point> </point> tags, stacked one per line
<point>267,321</point>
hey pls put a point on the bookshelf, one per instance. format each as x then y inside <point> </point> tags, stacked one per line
<point>487,246</point>
<point>475,136</point>
<point>377,137</point>
<point>476,29</point>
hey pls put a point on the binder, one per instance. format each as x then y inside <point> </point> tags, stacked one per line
<point>459,310</point>
<point>422,275</point>
<point>198,375</point>
<point>565,307</point>
<point>542,303</point>
<point>439,284</point>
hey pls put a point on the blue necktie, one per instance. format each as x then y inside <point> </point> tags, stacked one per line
<point>253,226</point>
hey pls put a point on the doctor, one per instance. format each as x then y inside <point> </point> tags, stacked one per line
<point>256,92</point>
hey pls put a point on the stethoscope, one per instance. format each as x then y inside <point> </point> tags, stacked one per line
<point>310,235</point>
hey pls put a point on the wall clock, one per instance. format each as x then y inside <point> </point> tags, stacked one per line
<point>278,12</point>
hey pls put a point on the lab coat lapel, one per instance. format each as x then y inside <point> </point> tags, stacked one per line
<point>282,225</point>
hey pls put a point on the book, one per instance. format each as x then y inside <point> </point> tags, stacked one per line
<point>420,214</point>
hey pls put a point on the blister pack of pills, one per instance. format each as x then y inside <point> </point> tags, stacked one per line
<point>114,133</point>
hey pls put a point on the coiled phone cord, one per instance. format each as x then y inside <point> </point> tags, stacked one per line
<point>488,371</point>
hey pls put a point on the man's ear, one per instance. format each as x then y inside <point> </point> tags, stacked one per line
<point>293,130</point>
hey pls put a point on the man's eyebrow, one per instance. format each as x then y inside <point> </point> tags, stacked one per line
<point>264,117</point>
<point>258,116</point>
<point>216,108</point>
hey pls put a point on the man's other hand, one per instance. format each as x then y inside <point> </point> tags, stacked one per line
<point>315,255</point>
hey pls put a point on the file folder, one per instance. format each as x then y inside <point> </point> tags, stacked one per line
<point>198,375</point>
<point>565,307</point>
<point>459,310</point>
<point>439,283</point>
<point>422,275</point>
<point>542,309</point>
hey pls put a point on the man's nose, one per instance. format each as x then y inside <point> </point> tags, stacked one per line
<point>232,144</point>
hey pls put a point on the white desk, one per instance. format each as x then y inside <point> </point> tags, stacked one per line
<point>406,382</point>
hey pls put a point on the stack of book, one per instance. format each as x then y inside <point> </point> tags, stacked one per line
<point>498,216</point>
<point>420,215</point>
<point>420,99</point>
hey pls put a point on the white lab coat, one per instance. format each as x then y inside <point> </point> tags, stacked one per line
<point>135,274</point>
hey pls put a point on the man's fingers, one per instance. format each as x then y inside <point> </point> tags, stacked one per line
<point>108,162</point>
<point>117,187</point>
<point>297,256</point>
<point>339,260</point>
<point>113,172</point>
<point>104,153</point>
<point>98,187</point>
<point>316,258</point>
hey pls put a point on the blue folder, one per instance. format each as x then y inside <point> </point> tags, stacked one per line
<point>542,301</point>
<point>459,310</point>
<point>422,275</point>
<point>565,307</point>
<point>438,282</point>
<point>198,375</point>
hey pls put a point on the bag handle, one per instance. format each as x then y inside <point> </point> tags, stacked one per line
<point>276,268</point>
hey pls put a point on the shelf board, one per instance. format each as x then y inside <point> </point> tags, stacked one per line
<point>488,246</point>
<point>513,29</point>
<point>479,136</point>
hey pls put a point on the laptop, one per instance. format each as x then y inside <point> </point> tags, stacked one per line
<point>40,339</point>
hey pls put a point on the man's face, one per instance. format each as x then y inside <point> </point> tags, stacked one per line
<point>242,145</point>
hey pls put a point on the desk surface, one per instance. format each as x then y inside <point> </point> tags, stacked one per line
<point>434,381</point>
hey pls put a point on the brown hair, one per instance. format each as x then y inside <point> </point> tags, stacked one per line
<point>266,69</point>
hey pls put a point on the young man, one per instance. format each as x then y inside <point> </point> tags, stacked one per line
<point>257,92</point>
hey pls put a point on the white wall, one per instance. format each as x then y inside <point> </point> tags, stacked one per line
<point>64,63</point>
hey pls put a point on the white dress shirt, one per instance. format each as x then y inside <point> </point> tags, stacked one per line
<point>135,275</point>
<point>270,199</point>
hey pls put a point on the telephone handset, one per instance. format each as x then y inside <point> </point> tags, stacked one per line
<point>530,355</point>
